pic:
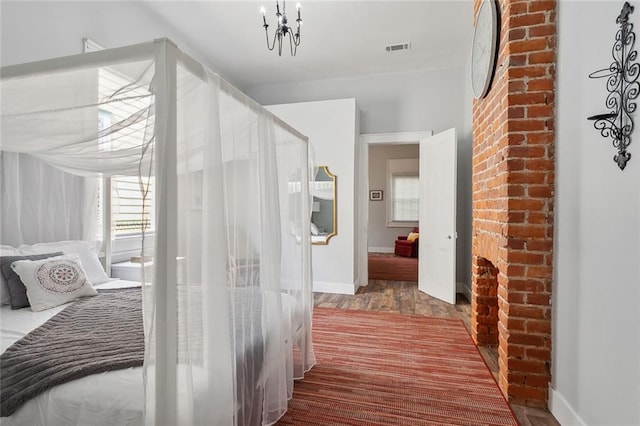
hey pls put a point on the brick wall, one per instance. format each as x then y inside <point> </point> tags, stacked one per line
<point>513,173</point>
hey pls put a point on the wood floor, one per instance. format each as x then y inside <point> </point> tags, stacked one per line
<point>405,298</point>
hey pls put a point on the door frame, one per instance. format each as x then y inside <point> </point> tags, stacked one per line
<point>362,220</point>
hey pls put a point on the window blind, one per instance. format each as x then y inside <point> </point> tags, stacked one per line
<point>131,196</point>
<point>405,198</point>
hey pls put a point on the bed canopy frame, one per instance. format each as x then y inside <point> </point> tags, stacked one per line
<point>231,212</point>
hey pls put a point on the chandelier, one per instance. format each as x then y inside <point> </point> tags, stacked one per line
<point>283,30</point>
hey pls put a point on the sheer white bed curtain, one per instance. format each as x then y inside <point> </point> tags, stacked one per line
<point>227,310</point>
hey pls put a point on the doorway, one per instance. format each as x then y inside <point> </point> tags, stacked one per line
<point>392,163</point>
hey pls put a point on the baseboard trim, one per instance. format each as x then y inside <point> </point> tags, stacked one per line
<point>381,249</point>
<point>464,289</point>
<point>562,410</point>
<point>335,288</point>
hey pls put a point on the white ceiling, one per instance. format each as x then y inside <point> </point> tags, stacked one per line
<point>339,38</point>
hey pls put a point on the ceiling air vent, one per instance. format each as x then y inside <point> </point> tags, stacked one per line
<point>398,47</point>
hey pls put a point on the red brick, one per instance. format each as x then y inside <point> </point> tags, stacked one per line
<point>513,164</point>
<point>526,151</point>
<point>516,112</point>
<point>540,164</point>
<point>539,326</point>
<point>540,245</point>
<point>540,138</point>
<point>542,5</point>
<point>540,191</point>
<point>542,30</point>
<point>535,111</point>
<point>527,125</point>
<point>538,353</point>
<point>538,218</point>
<point>516,138</point>
<point>516,351</point>
<point>528,99</point>
<point>514,297</point>
<point>524,311</point>
<point>516,378</point>
<point>531,177</point>
<point>529,366</point>
<point>527,392</point>
<point>527,231</point>
<point>514,270</point>
<point>515,190</point>
<point>538,299</point>
<point>531,72</point>
<point>546,57</point>
<point>517,60</point>
<point>530,45</point>
<point>541,84</point>
<point>527,20</point>
<point>525,285</point>
<point>527,339</point>
<point>517,86</point>
<point>517,8</point>
<point>516,217</point>
<point>537,381</point>
<point>538,272</point>
<point>515,244</point>
<point>525,257</point>
<point>517,34</point>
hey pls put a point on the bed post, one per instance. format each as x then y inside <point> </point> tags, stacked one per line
<point>164,284</point>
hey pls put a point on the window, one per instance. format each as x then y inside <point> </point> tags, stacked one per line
<point>403,202</point>
<point>130,197</point>
<point>404,198</point>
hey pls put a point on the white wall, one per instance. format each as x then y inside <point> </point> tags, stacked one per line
<point>331,128</point>
<point>35,30</point>
<point>400,102</point>
<point>403,102</point>
<point>382,238</point>
<point>596,320</point>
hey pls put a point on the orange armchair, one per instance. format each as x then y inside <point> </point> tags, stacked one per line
<point>407,246</point>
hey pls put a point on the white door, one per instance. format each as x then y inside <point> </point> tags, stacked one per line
<point>437,244</point>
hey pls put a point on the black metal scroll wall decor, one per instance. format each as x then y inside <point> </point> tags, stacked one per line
<point>623,87</point>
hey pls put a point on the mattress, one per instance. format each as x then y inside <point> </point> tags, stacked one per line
<point>114,397</point>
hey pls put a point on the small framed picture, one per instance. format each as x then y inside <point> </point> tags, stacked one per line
<point>375,195</point>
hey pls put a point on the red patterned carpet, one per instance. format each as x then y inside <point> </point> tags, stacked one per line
<point>392,268</point>
<point>391,369</point>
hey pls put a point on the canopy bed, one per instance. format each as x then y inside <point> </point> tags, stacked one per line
<point>226,311</point>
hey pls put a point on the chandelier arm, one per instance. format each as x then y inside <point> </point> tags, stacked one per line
<point>273,45</point>
<point>266,34</point>
<point>291,44</point>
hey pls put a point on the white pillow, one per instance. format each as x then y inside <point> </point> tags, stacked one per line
<point>87,250</point>
<point>53,281</point>
<point>5,296</point>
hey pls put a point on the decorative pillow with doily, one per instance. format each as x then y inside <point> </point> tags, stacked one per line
<point>17,291</point>
<point>54,281</point>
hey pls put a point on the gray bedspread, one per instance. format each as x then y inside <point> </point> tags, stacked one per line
<point>94,335</point>
<point>105,332</point>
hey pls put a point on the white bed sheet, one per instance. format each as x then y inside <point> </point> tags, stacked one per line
<point>106,399</point>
